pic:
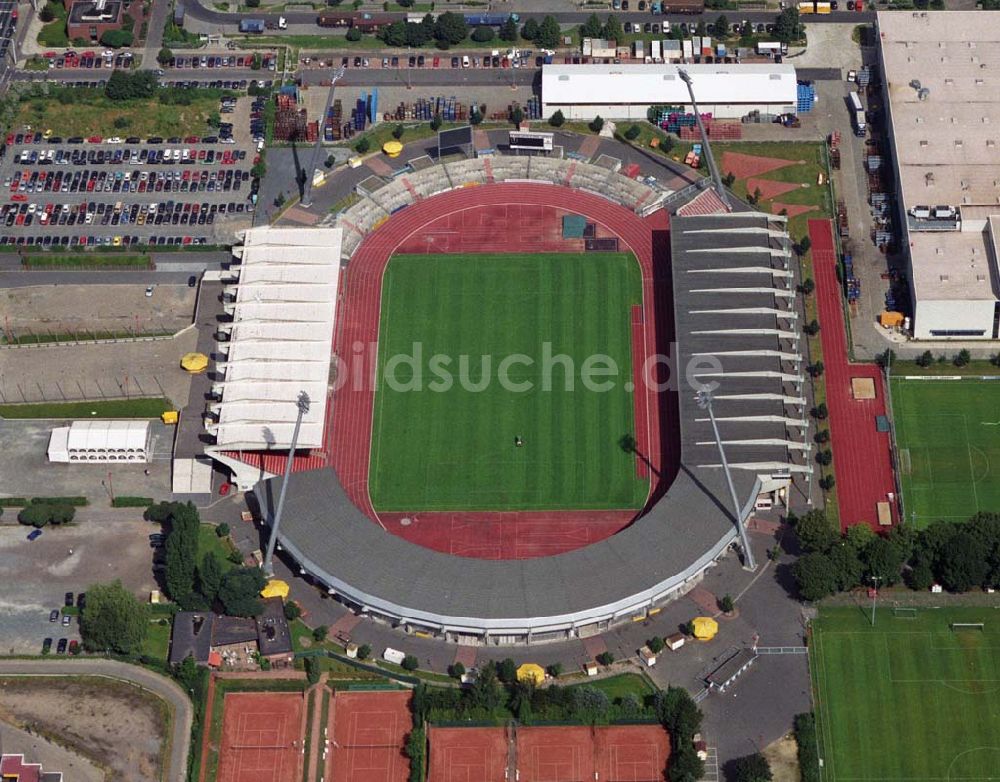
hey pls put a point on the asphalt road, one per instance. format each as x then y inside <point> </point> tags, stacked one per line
<point>168,690</point>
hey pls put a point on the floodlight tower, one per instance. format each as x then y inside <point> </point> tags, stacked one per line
<point>302,403</point>
<point>704,398</point>
<point>712,168</point>
<point>314,161</point>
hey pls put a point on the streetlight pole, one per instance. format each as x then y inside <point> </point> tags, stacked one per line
<point>302,403</point>
<point>314,162</point>
<point>705,402</point>
<point>874,597</point>
<point>712,168</point>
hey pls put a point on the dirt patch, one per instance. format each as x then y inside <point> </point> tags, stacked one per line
<point>769,188</point>
<point>784,759</point>
<point>743,166</point>
<point>115,725</point>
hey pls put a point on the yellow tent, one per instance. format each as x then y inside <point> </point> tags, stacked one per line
<point>531,672</point>
<point>275,588</point>
<point>392,148</point>
<point>195,363</point>
<point>705,628</point>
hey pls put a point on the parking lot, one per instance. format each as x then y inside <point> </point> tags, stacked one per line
<point>117,191</point>
<point>39,573</point>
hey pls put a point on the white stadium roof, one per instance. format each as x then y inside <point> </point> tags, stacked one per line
<point>280,339</point>
<point>660,84</point>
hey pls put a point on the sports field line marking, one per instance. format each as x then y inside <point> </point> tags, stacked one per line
<point>972,469</point>
<point>966,752</point>
<point>379,341</point>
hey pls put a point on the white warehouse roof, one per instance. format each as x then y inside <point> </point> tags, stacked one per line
<point>280,340</point>
<point>660,84</point>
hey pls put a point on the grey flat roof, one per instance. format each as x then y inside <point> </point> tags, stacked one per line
<point>680,535</point>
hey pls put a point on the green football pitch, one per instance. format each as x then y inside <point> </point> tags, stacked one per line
<point>437,448</point>
<point>948,437</point>
<point>908,699</point>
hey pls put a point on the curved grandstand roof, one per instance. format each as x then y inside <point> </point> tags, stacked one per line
<point>738,263</point>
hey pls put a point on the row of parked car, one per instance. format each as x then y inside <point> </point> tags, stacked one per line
<point>105,59</point>
<point>65,644</point>
<point>268,61</point>
<point>101,213</point>
<point>86,181</point>
<point>98,157</point>
<point>39,137</point>
<point>88,240</point>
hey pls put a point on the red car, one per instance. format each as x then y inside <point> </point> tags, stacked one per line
<point>95,140</point>
<point>437,61</point>
<point>20,198</point>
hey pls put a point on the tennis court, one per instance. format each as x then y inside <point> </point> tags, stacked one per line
<point>948,443</point>
<point>618,753</point>
<point>912,698</point>
<point>467,755</point>
<point>262,737</point>
<point>367,733</point>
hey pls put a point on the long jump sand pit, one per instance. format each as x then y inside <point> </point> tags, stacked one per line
<point>367,733</point>
<point>468,755</point>
<point>262,737</point>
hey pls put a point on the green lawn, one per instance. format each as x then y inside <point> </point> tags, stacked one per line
<point>209,541</point>
<point>114,408</point>
<point>157,643</point>
<point>909,699</point>
<point>128,260</point>
<point>948,435</point>
<point>441,446</point>
<point>623,684</point>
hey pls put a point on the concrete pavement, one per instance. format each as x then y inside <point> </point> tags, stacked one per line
<point>167,689</point>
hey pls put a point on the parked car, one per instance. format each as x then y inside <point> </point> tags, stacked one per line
<point>61,646</point>
<point>66,620</point>
<point>68,599</point>
<point>54,615</point>
<point>34,534</point>
<point>46,646</point>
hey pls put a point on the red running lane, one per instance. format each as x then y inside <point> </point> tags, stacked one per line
<point>503,208</point>
<point>862,456</point>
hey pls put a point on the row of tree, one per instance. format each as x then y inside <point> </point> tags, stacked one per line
<point>960,557</point>
<point>197,580</point>
<point>450,29</point>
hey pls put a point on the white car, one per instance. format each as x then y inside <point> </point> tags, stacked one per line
<point>149,292</point>
<point>115,140</point>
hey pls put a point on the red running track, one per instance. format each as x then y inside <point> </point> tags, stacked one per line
<point>488,535</point>
<point>862,456</point>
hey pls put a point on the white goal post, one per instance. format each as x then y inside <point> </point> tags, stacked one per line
<point>968,626</point>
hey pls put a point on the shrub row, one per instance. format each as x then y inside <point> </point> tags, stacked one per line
<point>126,501</point>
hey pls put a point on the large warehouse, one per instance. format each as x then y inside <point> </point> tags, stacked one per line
<point>627,91</point>
<point>942,93</point>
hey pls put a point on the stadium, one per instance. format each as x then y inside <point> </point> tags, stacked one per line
<point>500,516</point>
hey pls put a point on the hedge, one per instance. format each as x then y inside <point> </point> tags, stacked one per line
<point>75,501</point>
<point>126,501</point>
<point>13,502</point>
<point>805,738</point>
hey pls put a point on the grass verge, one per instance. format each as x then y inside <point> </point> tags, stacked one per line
<point>111,408</point>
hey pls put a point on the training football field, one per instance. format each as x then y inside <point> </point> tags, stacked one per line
<point>452,446</point>
<point>910,699</point>
<point>948,436</point>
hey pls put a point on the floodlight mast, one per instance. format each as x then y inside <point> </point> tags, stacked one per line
<point>302,403</point>
<point>712,168</point>
<point>704,398</point>
<point>314,162</point>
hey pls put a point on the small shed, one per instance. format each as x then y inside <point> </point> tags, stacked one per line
<point>352,650</point>
<point>674,642</point>
<point>590,668</point>
<point>647,656</point>
<point>393,656</point>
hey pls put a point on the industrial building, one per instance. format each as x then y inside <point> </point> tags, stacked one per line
<point>942,96</point>
<point>727,91</point>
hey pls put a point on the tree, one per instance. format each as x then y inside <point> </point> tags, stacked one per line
<point>815,369</point>
<point>530,30</point>
<point>605,658</point>
<point>655,644</point>
<point>925,359</point>
<point>362,145</point>
<point>410,663</point>
<point>508,30</point>
<point>394,34</point>
<point>240,589</point>
<point>920,574</point>
<point>632,132</point>
<point>750,768</point>
<point>456,670</point>
<point>613,28</point>
<point>486,692</point>
<point>209,576</point>
<point>516,116</point>
<point>820,412</point>
<point>113,620</point>
<point>859,536</point>
<point>814,531</point>
<point>557,119</point>
<point>398,131</point>
<point>312,670</point>
<point>746,34</point>
<point>507,671</point>
<point>822,436</point>
<point>678,713</point>
<point>222,530</point>
<point>554,670</point>
<point>805,243</point>
<point>591,702</point>
<point>722,27</point>
<point>882,560</point>
<point>808,286</point>
<point>816,576</point>
<point>962,358</point>
<point>353,34</point>
<point>416,747</point>
<point>116,39</point>
<point>292,610</point>
<point>165,57</point>
<point>961,564</point>
<point>436,122</point>
<point>597,124</point>
<point>48,12</point>
<point>726,604</point>
<point>824,457</point>
<point>592,28</point>
<point>548,33</point>
<point>181,550</point>
<point>827,482</point>
<point>483,34</point>
<point>319,633</point>
<point>36,515</point>
<point>451,27</point>
<point>125,85</point>
<point>700,28</point>
<point>364,652</point>
<point>787,27</point>
<point>847,565</point>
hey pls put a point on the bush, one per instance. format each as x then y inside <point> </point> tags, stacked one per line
<point>319,633</point>
<point>456,670</point>
<point>312,670</point>
<point>222,530</point>
<point>962,358</point>
<point>554,670</point>
<point>435,122</point>
<point>398,131</point>
<point>655,644</point>
<point>165,56</point>
<point>364,651</point>
<point>820,412</point>
<point>116,39</point>
<point>123,85</point>
<point>410,663</point>
<point>557,119</point>
<point>726,604</point>
<point>808,749</point>
<point>292,611</point>
<point>605,658</point>
<point>483,34</point>
<point>597,124</point>
<point>34,516</point>
<point>362,146</point>
<point>69,500</point>
<point>354,34</point>
<point>633,132</point>
<point>122,122</point>
<point>13,502</point>
<point>126,501</point>
<point>48,13</point>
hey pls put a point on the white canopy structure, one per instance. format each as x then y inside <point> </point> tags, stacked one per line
<point>100,442</point>
<point>282,303</point>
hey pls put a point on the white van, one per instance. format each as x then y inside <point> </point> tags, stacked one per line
<point>465,61</point>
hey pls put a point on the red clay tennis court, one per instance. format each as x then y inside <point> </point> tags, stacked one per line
<point>367,734</point>
<point>262,737</point>
<point>467,755</point>
<point>619,753</point>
